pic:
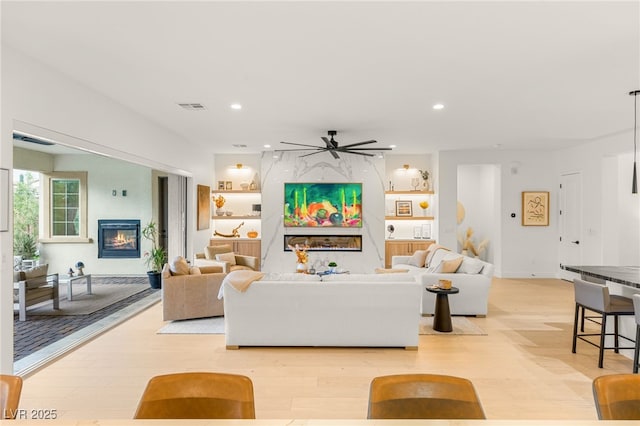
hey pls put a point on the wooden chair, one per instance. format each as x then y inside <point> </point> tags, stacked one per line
<point>596,298</point>
<point>33,287</point>
<point>197,396</point>
<point>423,396</point>
<point>10,389</point>
<point>617,396</point>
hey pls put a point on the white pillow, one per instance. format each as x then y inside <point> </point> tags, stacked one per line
<point>227,257</point>
<point>418,258</point>
<point>470,266</point>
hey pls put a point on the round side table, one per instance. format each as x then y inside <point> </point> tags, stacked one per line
<point>442,315</point>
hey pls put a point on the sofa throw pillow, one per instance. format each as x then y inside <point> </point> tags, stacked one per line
<point>470,266</point>
<point>450,266</point>
<point>418,258</point>
<point>211,251</point>
<point>38,271</point>
<point>179,266</point>
<point>227,257</point>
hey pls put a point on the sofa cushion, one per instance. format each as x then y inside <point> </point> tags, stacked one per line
<point>38,271</point>
<point>179,266</point>
<point>470,266</point>
<point>450,266</point>
<point>227,257</point>
<point>368,278</point>
<point>418,258</point>
<point>290,276</point>
<point>211,251</point>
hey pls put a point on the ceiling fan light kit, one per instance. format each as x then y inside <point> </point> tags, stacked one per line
<point>332,147</point>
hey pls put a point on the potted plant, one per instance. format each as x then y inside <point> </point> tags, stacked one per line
<point>155,258</point>
<point>332,267</point>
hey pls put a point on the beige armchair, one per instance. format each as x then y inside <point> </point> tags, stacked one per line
<point>223,256</point>
<point>191,295</point>
<point>32,287</point>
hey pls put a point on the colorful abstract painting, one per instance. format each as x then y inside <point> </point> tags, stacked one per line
<point>323,204</point>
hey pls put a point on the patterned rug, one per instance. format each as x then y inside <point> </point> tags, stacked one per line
<point>461,326</point>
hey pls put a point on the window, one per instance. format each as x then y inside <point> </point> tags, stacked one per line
<point>65,207</point>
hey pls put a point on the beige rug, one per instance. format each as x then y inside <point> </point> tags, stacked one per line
<point>461,326</point>
<point>102,296</point>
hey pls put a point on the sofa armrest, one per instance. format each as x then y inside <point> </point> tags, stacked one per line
<point>250,261</point>
<point>395,260</point>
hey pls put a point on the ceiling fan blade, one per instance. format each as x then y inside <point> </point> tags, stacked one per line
<point>299,149</point>
<point>358,143</point>
<point>357,153</point>
<point>300,144</point>
<point>317,152</point>
<point>367,149</point>
<point>330,145</point>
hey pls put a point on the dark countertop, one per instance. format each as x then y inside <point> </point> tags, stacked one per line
<point>626,275</point>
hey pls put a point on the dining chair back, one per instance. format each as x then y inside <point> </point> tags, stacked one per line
<point>197,395</point>
<point>423,396</point>
<point>10,390</point>
<point>617,396</point>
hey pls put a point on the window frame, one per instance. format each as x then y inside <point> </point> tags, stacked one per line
<point>47,213</point>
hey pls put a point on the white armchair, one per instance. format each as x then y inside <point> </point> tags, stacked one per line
<point>224,257</point>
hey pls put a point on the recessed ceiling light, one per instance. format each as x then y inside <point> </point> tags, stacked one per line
<point>438,106</point>
<point>392,146</point>
<point>267,145</point>
<point>236,106</point>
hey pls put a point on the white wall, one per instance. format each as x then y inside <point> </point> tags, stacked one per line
<point>519,251</point>
<point>38,98</point>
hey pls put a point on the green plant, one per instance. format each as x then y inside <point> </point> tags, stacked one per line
<point>157,257</point>
<point>332,264</point>
<point>24,245</point>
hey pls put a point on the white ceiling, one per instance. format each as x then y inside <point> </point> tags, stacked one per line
<point>510,73</point>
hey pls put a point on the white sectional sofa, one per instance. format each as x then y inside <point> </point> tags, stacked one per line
<point>473,278</point>
<point>342,310</point>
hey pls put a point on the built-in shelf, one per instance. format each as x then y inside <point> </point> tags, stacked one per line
<point>234,217</point>
<point>408,218</point>
<point>236,191</point>
<point>409,192</point>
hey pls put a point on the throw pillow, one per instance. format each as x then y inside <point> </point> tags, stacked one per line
<point>470,266</point>
<point>418,258</point>
<point>179,266</point>
<point>227,257</point>
<point>38,271</point>
<point>211,251</point>
<point>450,266</point>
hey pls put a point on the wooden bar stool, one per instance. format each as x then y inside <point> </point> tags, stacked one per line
<point>636,351</point>
<point>596,298</point>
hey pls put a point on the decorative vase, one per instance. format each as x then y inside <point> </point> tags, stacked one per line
<point>155,279</point>
<point>219,212</point>
<point>301,268</point>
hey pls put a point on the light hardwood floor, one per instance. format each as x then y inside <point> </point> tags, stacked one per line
<point>522,369</point>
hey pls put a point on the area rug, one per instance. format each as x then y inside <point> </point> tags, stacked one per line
<point>103,295</point>
<point>461,326</point>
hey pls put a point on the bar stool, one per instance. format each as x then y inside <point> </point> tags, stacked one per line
<point>596,298</point>
<point>636,351</point>
<point>593,318</point>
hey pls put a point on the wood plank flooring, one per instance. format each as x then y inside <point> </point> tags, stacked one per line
<point>522,369</point>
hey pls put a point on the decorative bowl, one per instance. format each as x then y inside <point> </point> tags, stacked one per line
<point>228,212</point>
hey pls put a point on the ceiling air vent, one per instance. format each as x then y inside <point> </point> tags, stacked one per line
<point>192,107</point>
<point>239,145</point>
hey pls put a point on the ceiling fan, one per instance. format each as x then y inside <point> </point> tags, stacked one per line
<point>333,147</point>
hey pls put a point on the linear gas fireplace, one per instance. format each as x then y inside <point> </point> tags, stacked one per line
<point>118,238</point>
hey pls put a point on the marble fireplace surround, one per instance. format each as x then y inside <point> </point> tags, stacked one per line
<point>289,167</point>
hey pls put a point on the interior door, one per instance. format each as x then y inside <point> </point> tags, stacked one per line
<point>570,222</point>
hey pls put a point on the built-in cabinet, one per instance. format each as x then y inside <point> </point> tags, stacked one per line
<point>245,246</point>
<point>403,248</point>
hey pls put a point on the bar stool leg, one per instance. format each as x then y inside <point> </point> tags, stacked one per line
<point>616,341</point>
<point>603,330</point>
<point>636,351</point>
<point>575,328</point>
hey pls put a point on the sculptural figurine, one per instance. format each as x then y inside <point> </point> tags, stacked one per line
<point>234,232</point>
<point>468,249</point>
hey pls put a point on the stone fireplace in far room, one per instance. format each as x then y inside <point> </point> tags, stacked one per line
<point>118,238</point>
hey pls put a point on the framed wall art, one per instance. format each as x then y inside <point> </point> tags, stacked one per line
<point>323,204</point>
<point>404,208</point>
<point>204,207</point>
<point>535,208</point>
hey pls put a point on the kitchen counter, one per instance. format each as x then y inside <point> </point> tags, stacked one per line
<point>625,275</point>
